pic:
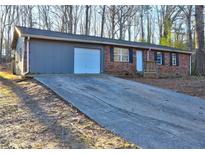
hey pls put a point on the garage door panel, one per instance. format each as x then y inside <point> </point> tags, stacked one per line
<point>86,60</point>
<point>50,57</point>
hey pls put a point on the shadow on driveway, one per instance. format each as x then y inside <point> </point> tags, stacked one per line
<point>148,116</point>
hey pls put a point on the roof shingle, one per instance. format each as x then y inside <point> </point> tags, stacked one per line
<point>38,33</point>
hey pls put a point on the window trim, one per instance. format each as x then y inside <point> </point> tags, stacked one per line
<point>174,59</point>
<point>121,55</point>
<point>161,60</point>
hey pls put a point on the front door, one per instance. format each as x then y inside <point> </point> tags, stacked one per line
<point>139,61</point>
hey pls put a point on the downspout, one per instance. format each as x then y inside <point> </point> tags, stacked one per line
<point>27,56</point>
<point>190,62</point>
<point>22,59</point>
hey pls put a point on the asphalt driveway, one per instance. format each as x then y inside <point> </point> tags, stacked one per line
<point>148,116</point>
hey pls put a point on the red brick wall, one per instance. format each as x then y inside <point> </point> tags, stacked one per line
<point>123,68</point>
<point>182,69</point>
<point>168,70</point>
<point>130,68</point>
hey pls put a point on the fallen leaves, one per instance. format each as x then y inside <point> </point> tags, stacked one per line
<point>34,117</point>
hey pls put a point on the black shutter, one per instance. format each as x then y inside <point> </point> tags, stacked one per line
<point>177,59</point>
<point>155,56</point>
<point>130,55</point>
<point>170,59</point>
<point>162,58</point>
<point>111,54</point>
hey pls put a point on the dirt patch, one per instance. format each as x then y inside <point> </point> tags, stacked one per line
<point>194,86</point>
<point>32,116</point>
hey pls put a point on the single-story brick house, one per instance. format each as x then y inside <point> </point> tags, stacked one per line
<point>47,52</point>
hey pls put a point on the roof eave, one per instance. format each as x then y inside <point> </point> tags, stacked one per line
<point>18,31</point>
<point>17,34</point>
<point>98,42</point>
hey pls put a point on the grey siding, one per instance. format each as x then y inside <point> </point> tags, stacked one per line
<point>19,56</point>
<point>48,57</point>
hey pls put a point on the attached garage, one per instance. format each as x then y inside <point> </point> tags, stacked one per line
<point>56,57</point>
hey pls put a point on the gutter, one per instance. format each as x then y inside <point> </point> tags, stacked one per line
<point>98,42</point>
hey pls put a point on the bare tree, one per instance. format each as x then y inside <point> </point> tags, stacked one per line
<point>200,53</point>
<point>44,17</point>
<point>160,21</point>
<point>179,34</point>
<point>103,21</point>
<point>142,23</point>
<point>188,10</point>
<point>77,10</point>
<point>30,16</point>
<point>87,20</point>
<point>4,15</point>
<point>117,21</point>
<point>112,12</point>
<point>124,15</point>
<point>10,21</point>
<point>136,25</point>
<point>149,29</point>
<point>70,23</point>
<point>169,14</point>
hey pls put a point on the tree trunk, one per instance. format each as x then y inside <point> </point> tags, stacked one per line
<point>2,28</point>
<point>167,31</point>
<point>102,22</point>
<point>86,19</point>
<point>142,28</point>
<point>129,30</point>
<point>121,25</point>
<point>1,45</point>
<point>113,22</point>
<point>30,19</point>
<point>148,29</point>
<point>189,33</point>
<point>76,18</point>
<point>70,23</point>
<point>160,21</point>
<point>200,54</point>
<point>89,19</point>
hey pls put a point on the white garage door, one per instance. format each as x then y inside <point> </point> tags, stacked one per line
<point>86,60</point>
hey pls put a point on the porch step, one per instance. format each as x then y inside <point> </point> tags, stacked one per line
<point>150,75</point>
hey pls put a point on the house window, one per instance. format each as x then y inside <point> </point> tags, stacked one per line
<point>174,59</point>
<point>159,58</point>
<point>121,54</point>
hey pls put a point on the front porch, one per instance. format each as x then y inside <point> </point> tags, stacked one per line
<point>151,69</point>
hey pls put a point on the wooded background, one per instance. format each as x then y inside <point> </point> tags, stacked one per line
<point>168,25</point>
